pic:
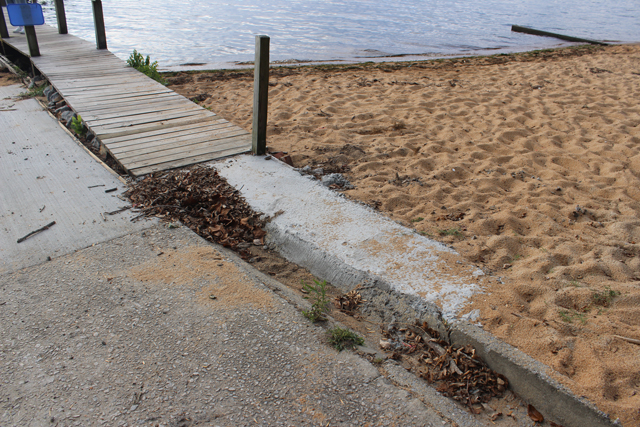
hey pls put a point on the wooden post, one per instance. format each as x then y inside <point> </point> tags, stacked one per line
<point>260,95</point>
<point>98,21</point>
<point>4,32</point>
<point>61,16</point>
<point>32,40</point>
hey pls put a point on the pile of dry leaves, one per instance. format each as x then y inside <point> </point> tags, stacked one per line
<point>458,372</point>
<point>203,201</point>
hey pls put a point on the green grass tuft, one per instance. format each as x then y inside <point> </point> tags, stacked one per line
<point>341,338</point>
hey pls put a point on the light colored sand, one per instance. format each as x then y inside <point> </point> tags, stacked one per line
<point>510,146</point>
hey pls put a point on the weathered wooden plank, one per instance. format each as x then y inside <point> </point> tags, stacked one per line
<point>137,106</point>
<point>142,119</point>
<point>172,132</point>
<point>148,148</point>
<point>134,113</point>
<point>206,152</point>
<point>93,105</point>
<point>191,160</point>
<point>166,154</point>
<point>110,132</point>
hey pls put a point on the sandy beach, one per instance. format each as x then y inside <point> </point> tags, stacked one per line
<point>528,164</point>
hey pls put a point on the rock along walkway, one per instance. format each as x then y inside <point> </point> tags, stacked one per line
<point>154,326</point>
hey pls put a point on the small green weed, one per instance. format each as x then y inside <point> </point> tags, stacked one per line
<point>319,300</point>
<point>450,232</point>
<point>571,315</point>
<point>517,257</point>
<point>78,126</point>
<point>417,219</point>
<point>145,66</point>
<point>605,297</point>
<point>424,233</point>
<point>341,338</point>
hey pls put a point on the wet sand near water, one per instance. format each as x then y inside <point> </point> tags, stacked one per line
<point>528,164</point>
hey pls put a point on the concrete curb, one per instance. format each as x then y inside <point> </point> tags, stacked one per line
<point>528,378</point>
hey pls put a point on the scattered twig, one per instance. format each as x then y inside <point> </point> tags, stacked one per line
<point>46,227</point>
<point>3,303</point>
<point>627,339</point>
<point>94,186</point>
<point>118,210</point>
<point>41,209</point>
<point>111,190</point>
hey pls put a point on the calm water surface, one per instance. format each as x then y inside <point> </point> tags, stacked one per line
<point>176,32</point>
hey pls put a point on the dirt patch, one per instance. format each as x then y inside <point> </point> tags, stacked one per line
<point>527,164</point>
<point>6,78</point>
<point>223,285</point>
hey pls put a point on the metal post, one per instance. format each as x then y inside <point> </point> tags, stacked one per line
<point>61,17</point>
<point>98,20</point>
<point>260,95</point>
<point>32,40</point>
<point>4,33</point>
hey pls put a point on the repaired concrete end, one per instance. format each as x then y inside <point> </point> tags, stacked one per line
<point>403,277</point>
<point>346,242</point>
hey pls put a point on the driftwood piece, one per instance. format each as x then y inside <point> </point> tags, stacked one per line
<point>46,227</point>
<point>533,31</point>
<point>627,339</point>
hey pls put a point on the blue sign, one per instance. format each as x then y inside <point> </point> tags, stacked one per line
<point>21,15</point>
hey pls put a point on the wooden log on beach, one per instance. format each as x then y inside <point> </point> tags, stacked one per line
<point>260,95</point>
<point>527,30</point>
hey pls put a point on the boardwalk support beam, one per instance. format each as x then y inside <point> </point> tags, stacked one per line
<point>61,16</point>
<point>4,32</point>
<point>260,95</point>
<point>32,40</point>
<point>98,20</point>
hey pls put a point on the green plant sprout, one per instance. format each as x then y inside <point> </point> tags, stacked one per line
<point>319,300</point>
<point>78,126</point>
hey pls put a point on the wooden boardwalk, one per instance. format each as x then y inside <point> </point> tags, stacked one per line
<point>145,126</point>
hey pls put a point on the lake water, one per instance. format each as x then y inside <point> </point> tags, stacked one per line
<point>219,32</point>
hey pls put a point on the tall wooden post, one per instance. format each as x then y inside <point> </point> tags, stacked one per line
<point>260,95</point>
<point>98,21</point>
<point>32,40</point>
<point>4,32</point>
<point>61,16</point>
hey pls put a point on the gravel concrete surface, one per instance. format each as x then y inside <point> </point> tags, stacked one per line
<point>160,328</point>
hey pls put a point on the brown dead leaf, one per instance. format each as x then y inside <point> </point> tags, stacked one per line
<point>534,414</point>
